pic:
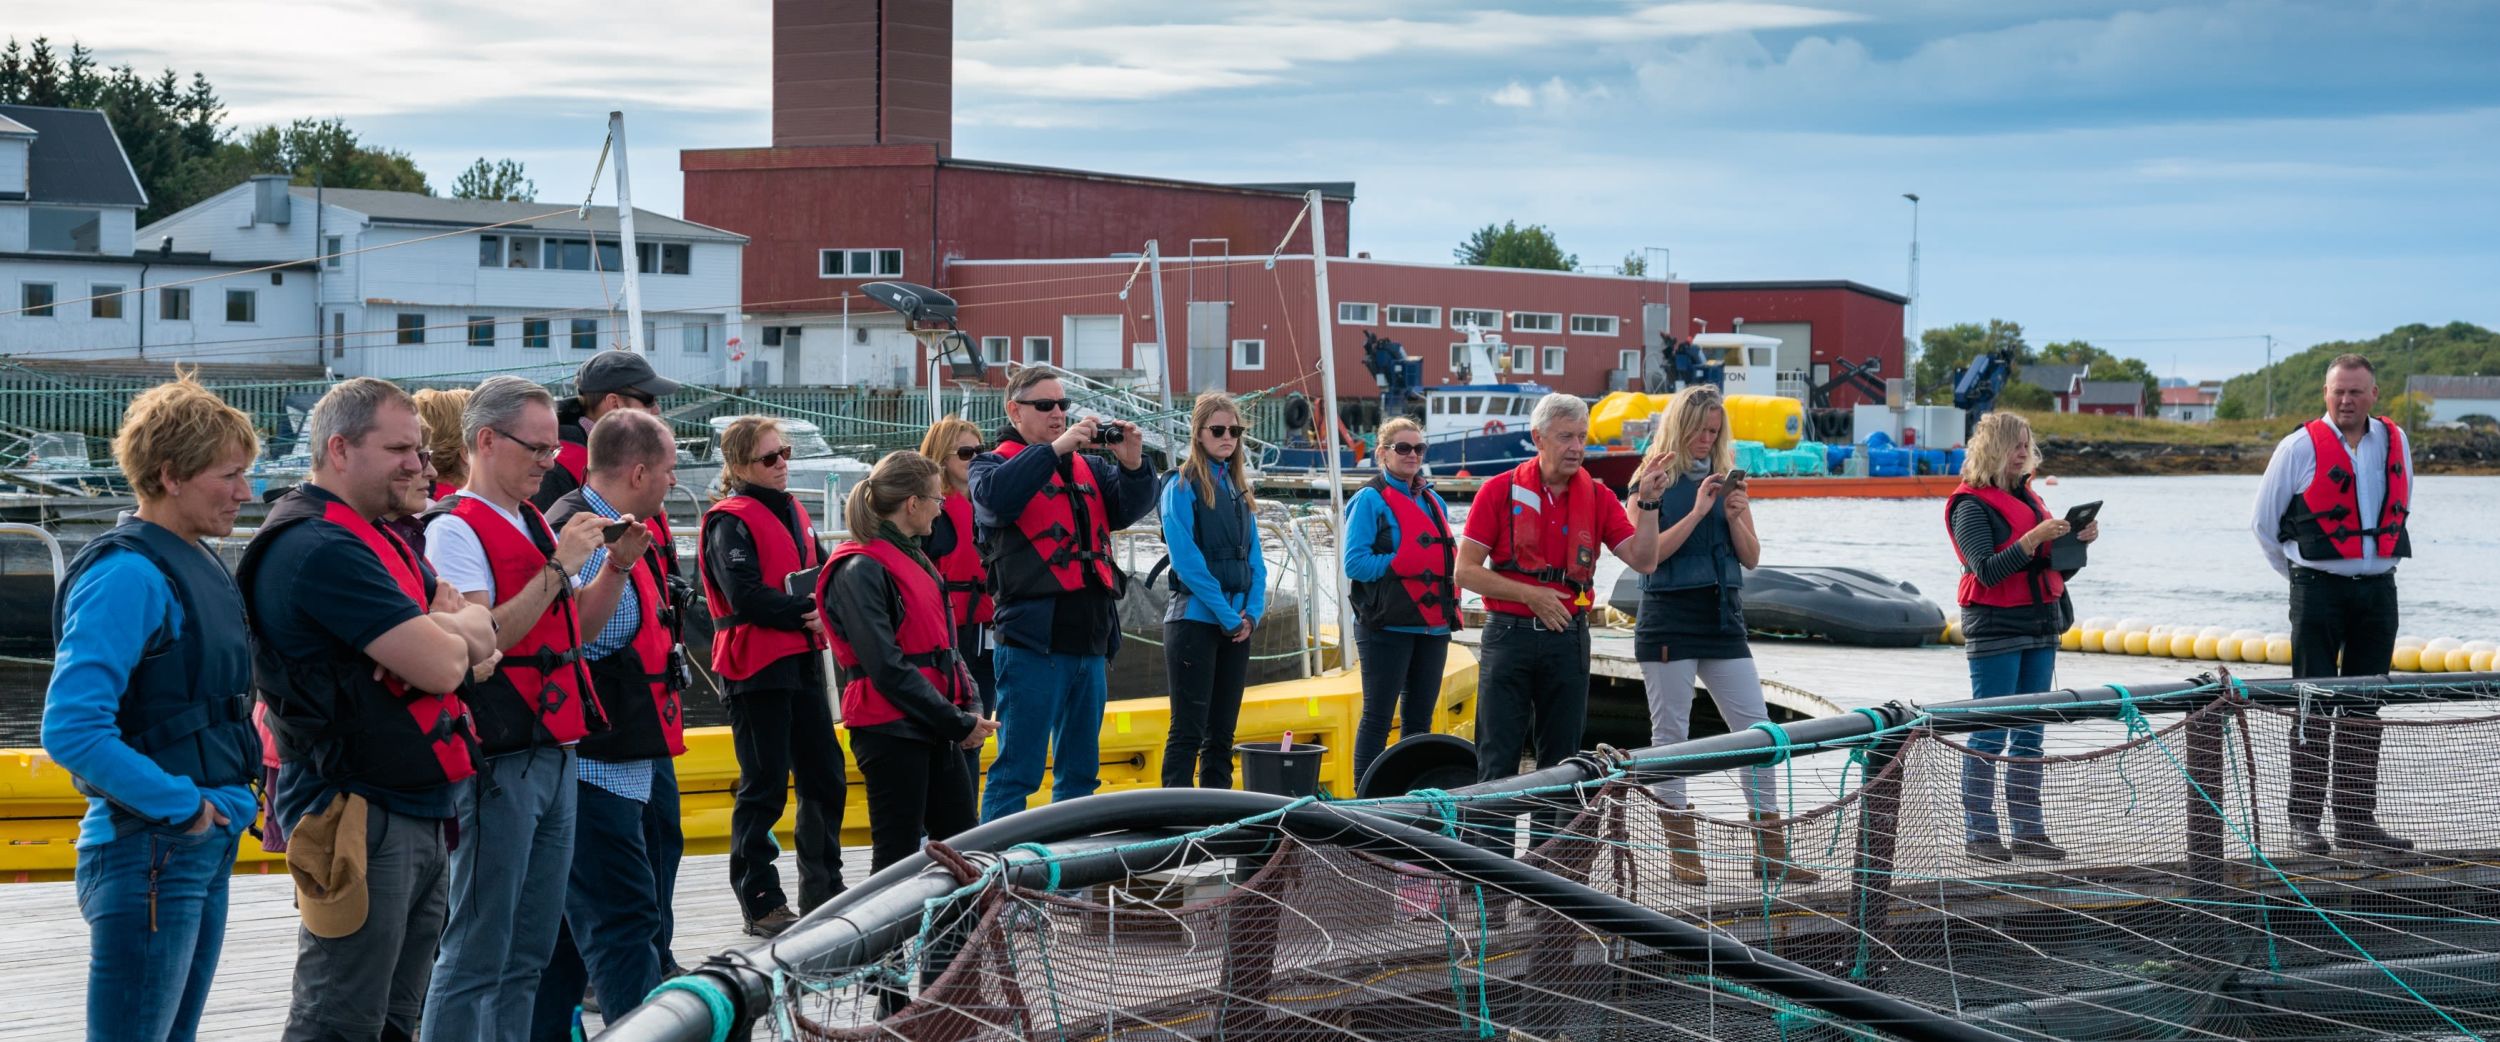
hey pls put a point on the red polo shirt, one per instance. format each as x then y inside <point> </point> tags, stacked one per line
<point>1489,523</point>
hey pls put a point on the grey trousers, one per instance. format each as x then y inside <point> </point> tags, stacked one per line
<point>351,988</point>
<point>1737,688</point>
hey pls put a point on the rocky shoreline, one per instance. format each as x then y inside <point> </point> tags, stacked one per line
<point>2434,452</point>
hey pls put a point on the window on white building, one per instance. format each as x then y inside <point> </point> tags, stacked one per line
<point>677,258</point>
<point>1413,315</point>
<point>1249,354</point>
<point>481,331</point>
<point>695,337</point>
<point>661,258</point>
<point>331,248</point>
<point>1522,358</point>
<point>1593,325</point>
<point>1628,361</point>
<point>534,332</point>
<point>585,334</point>
<point>105,300</point>
<point>1535,322</point>
<point>1357,314</point>
<point>36,298</point>
<point>490,252</point>
<point>173,304</point>
<point>524,253</point>
<point>1037,349</point>
<point>411,327</point>
<point>998,350</point>
<point>54,229</point>
<point>338,334</point>
<point>242,305</point>
<point>1489,321</point>
<point>1553,360</point>
<point>858,264</point>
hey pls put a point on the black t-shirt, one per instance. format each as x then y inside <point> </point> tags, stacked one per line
<point>317,589</point>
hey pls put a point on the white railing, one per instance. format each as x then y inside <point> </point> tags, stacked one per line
<point>51,546</point>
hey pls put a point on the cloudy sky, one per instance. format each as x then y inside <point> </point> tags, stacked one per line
<point>2171,179</point>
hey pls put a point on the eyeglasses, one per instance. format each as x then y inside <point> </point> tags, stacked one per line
<point>966,452</point>
<point>1222,431</point>
<point>1405,448</point>
<point>780,455</point>
<point>1045,404</point>
<point>537,450</point>
<point>425,457</point>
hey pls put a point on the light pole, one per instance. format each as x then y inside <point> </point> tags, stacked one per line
<point>1909,336</point>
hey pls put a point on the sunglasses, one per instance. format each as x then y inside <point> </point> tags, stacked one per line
<point>1222,431</point>
<point>966,452</point>
<point>1405,448</point>
<point>780,455</point>
<point>639,398</point>
<point>1046,404</point>
<point>425,457</point>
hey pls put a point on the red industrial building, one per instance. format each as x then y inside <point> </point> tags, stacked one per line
<point>1817,323</point>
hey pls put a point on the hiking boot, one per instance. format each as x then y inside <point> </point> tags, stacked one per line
<point>1770,861</point>
<point>1683,850</point>
<point>2367,836</point>
<point>2037,848</point>
<point>2307,838</point>
<point>590,999</point>
<point>1989,848</point>
<point>772,923</point>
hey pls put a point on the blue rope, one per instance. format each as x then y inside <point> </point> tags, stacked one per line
<point>714,999</point>
<point>1048,859</point>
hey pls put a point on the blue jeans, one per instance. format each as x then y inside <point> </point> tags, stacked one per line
<point>155,904</point>
<point>2011,673</point>
<point>616,907</point>
<point>1044,696</point>
<point>507,897</point>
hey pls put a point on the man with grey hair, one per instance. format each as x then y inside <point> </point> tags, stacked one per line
<point>1530,548</point>
<point>508,876</point>
<point>359,652</point>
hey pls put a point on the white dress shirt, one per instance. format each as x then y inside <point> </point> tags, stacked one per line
<point>2295,462</point>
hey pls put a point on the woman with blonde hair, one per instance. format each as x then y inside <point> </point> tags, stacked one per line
<point>2014,607</point>
<point>1402,557</point>
<point>149,708</point>
<point>764,650</point>
<point>1219,590</point>
<point>1692,622</point>
<point>907,699</point>
<point>951,443</point>
<point>440,411</point>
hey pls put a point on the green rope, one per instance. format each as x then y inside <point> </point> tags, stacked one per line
<point>1049,860</point>
<point>714,999</point>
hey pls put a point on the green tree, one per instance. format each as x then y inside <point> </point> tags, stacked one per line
<point>2455,349</point>
<point>503,179</point>
<point>2410,411</point>
<point>1511,246</point>
<point>319,151</point>
<point>2230,408</point>
<point>1634,265</point>
<point>2026,397</point>
<point>1947,348</point>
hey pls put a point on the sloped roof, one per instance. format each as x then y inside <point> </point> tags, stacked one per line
<point>2187,396</point>
<point>2437,387</point>
<point>10,126</point>
<point>74,158</point>
<point>2057,379</point>
<point>2112,392</point>
<point>412,208</point>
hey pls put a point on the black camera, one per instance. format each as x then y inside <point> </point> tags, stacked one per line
<point>1110,432</point>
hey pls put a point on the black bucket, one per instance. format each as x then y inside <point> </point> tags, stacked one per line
<point>1295,772</point>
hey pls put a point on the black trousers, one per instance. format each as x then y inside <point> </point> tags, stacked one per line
<point>1401,675</point>
<point>1532,693</point>
<point>916,788</point>
<point>780,736</point>
<point>2340,627</point>
<point>1207,669</point>
<point>984,668</point>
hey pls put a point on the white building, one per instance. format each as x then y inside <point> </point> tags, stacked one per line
<point>2453,398</point>
<point>76,284</point>
<point>417,285</point>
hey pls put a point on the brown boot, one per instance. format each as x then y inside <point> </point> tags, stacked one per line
<point>1770,862</point>
<point>1683,850</point>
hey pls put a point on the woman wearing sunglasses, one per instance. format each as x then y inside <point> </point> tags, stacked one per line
<point>1219,590</point>
<point>765,650</point>
<point>951,443</point>
<point>1400,553</point>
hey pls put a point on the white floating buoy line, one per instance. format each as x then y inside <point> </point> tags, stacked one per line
<point>2131,636</point>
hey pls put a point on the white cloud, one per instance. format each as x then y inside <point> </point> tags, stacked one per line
<point>1514,95</point>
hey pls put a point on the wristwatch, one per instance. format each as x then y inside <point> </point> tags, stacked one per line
<point>1646,504</point>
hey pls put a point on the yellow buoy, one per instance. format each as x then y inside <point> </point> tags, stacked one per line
<point>2183,643</point>
<point>2208,646</point>
<point>1952,631</point>
<point>2139,643</point>
<point>2279,649</point>
<point>2460,660</point>
<point>2090,637</point>
<point>2072,639</point>
<point>2253,649</point>
<point>2484,660</point>
<point>2408,658</point>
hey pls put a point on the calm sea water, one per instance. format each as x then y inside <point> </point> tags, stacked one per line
<point>2172,551</point>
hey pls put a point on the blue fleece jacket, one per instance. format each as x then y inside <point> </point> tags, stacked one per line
<point>1365,516</point>
<point>1207,601</point>
<point>119,604</point>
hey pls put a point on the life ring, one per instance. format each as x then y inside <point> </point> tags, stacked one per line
<point>1297,412</point>
<point>1494,427</point>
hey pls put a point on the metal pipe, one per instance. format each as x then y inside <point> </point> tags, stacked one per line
<point>51,545</point>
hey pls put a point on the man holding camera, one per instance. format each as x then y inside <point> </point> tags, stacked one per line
<point>1046,514</point>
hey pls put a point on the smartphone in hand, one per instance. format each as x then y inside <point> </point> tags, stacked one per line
<point>615,531</point>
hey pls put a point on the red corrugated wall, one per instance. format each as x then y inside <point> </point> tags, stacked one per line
<point>1847,324</point>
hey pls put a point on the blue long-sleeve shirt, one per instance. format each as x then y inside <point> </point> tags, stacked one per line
<point>1366,515</point>
<point>118,605</point>
<point>1000,488</point>
<point>1189,564</point>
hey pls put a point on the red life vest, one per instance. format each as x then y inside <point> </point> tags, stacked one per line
<point>1061,541</point>
<point>967,578</point>
<point>1417,590</point>
<point>2036,583</point>
<point>329,713</point>
<point>637,684</point>
<point>925,635</point>
<point>1568,567</point>
<point>2325,519</point>
<point>741,649</point>
<point>574,458</point>
<point>538,692</point>
<point>441,491</point>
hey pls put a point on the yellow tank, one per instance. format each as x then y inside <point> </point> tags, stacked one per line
<point>1612,412</point>
<point>1776,422</point>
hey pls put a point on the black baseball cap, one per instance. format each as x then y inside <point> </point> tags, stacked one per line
<point>611,371</point>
